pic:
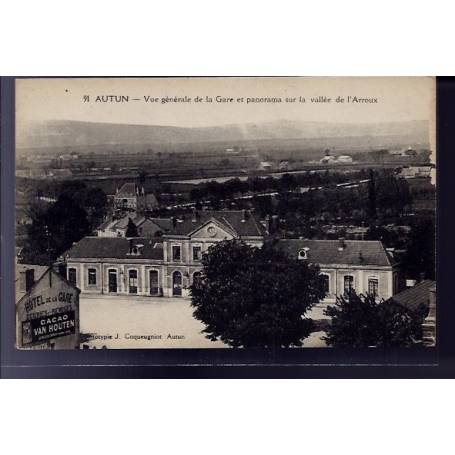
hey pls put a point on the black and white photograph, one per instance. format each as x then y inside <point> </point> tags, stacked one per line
<point>225,212</point>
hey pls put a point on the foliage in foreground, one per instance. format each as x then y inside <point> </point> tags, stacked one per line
<point>251,297</point>
<point>358,321</point>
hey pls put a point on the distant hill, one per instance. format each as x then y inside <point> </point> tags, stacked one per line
<point>80,134</point>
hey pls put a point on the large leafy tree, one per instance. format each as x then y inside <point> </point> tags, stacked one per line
<point>95,203</point>
<point>53,230</point>
<point>251,297</point>
<point>92,200</point>
<point>359,321</point>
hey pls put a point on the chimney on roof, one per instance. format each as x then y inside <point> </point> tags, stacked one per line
<point>195,215</point>
<point>421,276</point>
<point>268,224</point>
<point>341,244</point>
<point>130,242</point>
<point>275,223</point>
<point>174,221</point>
<point>244,215</point>
<point>26,279</point>
<point>361,258</point>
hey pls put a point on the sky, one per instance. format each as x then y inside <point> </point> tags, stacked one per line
<point>399,99</point>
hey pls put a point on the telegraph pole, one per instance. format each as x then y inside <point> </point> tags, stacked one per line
<point>46,230</point>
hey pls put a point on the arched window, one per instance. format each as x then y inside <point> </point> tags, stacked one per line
<point>196,277</point>
<point>132,281</point>
<point>177,284</point>
<point>326,283</point>
<point>154,283</point>
<point>373,286</point>
<point>92,277</point>
<point>112,280</point>
<point>348,284</point>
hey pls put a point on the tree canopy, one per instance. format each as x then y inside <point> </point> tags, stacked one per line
<point>131,229</point>
<point>55,227</point>
<point>255,297</point>
<point>358,321</point>
<point>420,256</point>
<point>53,230</point>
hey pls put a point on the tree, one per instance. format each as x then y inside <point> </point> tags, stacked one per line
<point>371,207</point>
<point>359,321</point>
<point>55,229</point>
<point>263,204</point>
<point>388,238</point>
<point>131,229</point>
<point>95,203</point>
<point>251,297</point>
<point>288,182</point>
<point>93,200</point>
<point>419,258</point>
<point>142,176</point>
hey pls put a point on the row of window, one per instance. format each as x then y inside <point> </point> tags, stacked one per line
<point>177,253</point>
<point>177,280</point>
<point>348,284</point>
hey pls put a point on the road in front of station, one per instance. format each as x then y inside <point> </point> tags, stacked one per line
<point>147,323</point>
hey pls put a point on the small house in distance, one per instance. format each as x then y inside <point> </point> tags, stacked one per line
<point>328,157</point>
<point>133,197</point>
<point>332,159</point>
<point>344,159</point>
<point>284,165</point>
<point>266,166</point>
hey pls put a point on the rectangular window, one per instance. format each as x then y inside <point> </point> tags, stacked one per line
<point>154,286</point>
<point>197,253</point>
<point>132,281</point>
<point>326,283</point>
<point>348,283</point>
<point>176,253</point>
<point>373,286</point>
<point>92,277</point>
<point>72,275</point>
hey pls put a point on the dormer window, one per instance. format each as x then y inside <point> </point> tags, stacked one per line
<point>136,250</point>
<point>303,253</point>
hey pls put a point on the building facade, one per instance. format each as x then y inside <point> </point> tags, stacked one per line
<point>133,197</point>
<point>361,265</point>
<point>164,266</point>
<point>167,266</point>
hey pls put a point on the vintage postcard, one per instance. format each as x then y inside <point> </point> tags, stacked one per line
<point>227,213</point>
